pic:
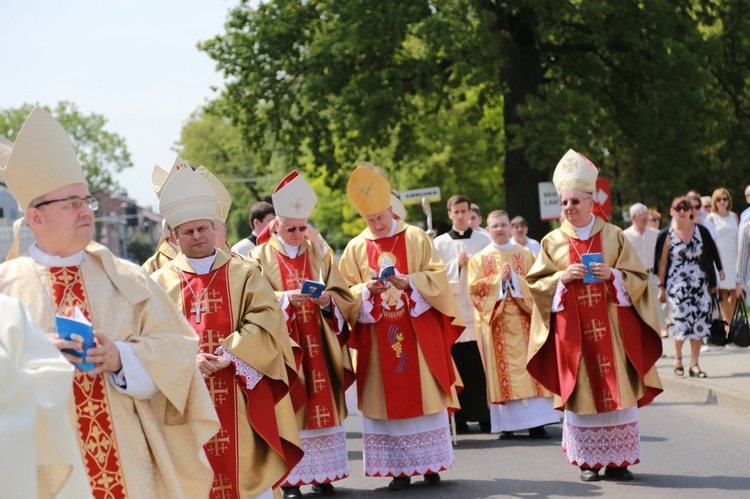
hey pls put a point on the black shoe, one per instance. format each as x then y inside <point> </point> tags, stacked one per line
<point>291,493</point>
<point>485,426</point>
<point>326,489</point>
<point>623,473</point>
<point>432,478</point>
<point>538,432</point>
<point>506,435</point>
<point>589,475</point>
<point>400,483</point>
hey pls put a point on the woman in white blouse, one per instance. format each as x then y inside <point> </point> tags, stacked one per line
<point>727,227</point>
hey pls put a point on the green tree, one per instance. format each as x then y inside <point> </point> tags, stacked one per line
<point>100,152</point>
<point>642,88</point>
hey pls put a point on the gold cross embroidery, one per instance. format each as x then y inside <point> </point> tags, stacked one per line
<point>589,296</point>
<point>594,330</point>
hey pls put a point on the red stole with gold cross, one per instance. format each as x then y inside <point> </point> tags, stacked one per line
<point>211,317</point>
<point>399,336</point>
<point>96,435</point>
<point>305,330</point>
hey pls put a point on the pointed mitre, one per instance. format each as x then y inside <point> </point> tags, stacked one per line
<point>224,200</point>
<point>294,197</point>
<point>42,159</point>
<point>186,197</point>
<point>398,207</point>
<point>369,190</point>
<point>160,176</point>
<point>574,172</point>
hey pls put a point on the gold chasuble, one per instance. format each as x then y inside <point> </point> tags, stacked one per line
<point>504,325</point>
<point>325,369</point>
<point>234,311</point>
<point>405,368</point>
<point>604,353</point>
<point>165,253</point>
<point>129,447</point>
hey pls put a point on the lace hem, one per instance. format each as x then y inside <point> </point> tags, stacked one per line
<point>325,460</point>
<point>284,302</point>
<point>365,311</point>
<point>597,447</point>
<point>622,297</point>
<point>419,304</point>
<point>250,376</point>
<point>338,316</point>
<point>428,451</point>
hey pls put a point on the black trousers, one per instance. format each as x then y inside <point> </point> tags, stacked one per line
<point>473,398</point>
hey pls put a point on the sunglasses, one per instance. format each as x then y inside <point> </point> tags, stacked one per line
<point>683,207</point>
<point>572,202</point>
<point>655,219</point>
<point>723,198</point>
<point>292,229</point>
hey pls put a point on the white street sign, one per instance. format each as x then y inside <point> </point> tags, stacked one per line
<point>415,196</point>
<point>549,201</point>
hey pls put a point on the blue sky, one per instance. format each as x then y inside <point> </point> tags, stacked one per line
<point>133,61</point>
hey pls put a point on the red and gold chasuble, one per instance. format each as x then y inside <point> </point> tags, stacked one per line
<point>305,331</point>
<point>96,435</point>
<point>211,318</point>
<point>585,315</point>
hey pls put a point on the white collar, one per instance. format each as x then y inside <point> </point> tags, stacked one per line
<point>392,231</point>
<point>291,251</point>
<point>506,246</point>
<point>47,260</point>
<point>202,265</point>
<point>584,233</point>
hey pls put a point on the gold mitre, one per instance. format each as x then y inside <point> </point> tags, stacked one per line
<point>6,146</point>
<point>369,190</point>
<point>186,197</point>
<point>224,200</point>
<point>294,197</point>
<point>160,176</point>
<point>397,206</point>
<point>42,160</point>
<point>574,172</point>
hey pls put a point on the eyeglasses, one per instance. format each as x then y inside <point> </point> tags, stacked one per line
<point>73,203</point>
<point>655,219</point>
<point>292,229</point>
<point>696,207</point>
<point>722,199</point>
<point>573,202</point>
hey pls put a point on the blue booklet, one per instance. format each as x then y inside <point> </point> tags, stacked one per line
<point>386,271</point>
<point>313,288</point>
<point>77,329</point>
<point>587,259</point>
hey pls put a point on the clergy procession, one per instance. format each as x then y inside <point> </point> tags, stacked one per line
<point>224,372</point>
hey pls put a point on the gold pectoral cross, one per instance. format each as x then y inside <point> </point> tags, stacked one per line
<point>198,308</point>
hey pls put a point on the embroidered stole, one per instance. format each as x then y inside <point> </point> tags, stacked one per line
<point>589,303</point>
<point>306,332</point>
<point>96,435</point>
<point>216,323</point>
<point>395,335</point>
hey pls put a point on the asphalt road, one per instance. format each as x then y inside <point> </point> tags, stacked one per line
<point>688,450</point>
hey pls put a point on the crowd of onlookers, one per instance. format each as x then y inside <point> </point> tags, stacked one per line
<point>697,265</point>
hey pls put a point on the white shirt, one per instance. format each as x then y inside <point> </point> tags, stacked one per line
<point>532,244</point>
<point>644,244</point>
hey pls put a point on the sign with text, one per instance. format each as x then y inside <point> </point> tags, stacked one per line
<point>415,196</point>
<point>549,202</point>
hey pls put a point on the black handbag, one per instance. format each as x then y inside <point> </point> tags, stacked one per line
<point>739,333</point>
<point>718,333</point>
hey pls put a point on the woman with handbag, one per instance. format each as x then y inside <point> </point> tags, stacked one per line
<point>727,229</point>
<point>684,259</point>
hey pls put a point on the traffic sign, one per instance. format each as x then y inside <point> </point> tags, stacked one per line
<point>549,202</point>
<point>415,196</point>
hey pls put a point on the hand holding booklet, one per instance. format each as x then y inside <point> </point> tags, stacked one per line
<point>587,259</point>
<point>313,288</point>
<point>77,328</point>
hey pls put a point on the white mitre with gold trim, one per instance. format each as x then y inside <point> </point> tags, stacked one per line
<point>397,206</point>
<point>294,197</point>
<point>369,190</point>
<point>224,199</point>
<point>6,146</point>
<point>160,176</point>
<point>42,159</point>
<point>574,172</point>
<point>186,197</point>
